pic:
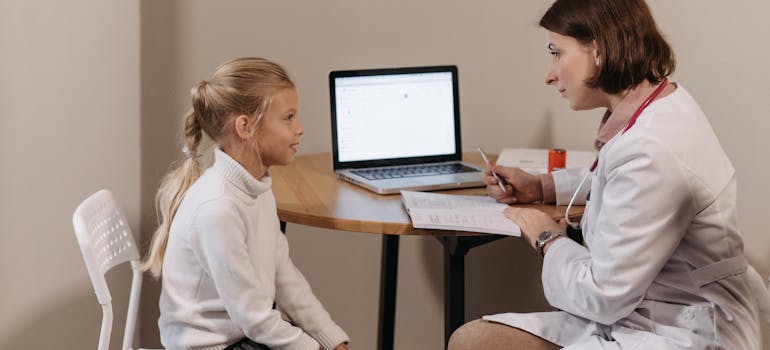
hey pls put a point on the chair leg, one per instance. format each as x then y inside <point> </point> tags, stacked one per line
<point>133,306</point>
<point>104,334</point>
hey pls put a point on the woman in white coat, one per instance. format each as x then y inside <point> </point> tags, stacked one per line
<point>662,264</point>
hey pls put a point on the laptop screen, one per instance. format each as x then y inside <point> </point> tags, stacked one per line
<point>406,114</point>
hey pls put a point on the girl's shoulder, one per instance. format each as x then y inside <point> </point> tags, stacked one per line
<point>208,198</point>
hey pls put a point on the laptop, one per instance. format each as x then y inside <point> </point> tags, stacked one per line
<point>399,129</point>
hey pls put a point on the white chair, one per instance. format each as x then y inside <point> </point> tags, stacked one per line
<point>106,241</point>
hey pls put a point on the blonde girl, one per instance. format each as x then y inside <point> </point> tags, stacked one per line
<point>223,261</point>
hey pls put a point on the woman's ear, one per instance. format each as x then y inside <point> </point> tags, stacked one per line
<point>595,50</point>
<point>242,128</point>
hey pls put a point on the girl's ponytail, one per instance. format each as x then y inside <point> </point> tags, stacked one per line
<point>175,185</point>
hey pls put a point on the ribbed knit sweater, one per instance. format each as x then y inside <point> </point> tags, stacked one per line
<point>225,265</point>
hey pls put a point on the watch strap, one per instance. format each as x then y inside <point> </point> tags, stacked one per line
<point>544,238</point>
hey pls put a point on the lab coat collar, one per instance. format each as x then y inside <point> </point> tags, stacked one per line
<point>614,121</point>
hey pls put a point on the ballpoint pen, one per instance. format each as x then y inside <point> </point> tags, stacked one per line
<point>486,163</point>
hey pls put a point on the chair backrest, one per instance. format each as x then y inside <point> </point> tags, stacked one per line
<point>106,241</point>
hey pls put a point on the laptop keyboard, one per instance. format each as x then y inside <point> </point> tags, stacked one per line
<point>412,171</point>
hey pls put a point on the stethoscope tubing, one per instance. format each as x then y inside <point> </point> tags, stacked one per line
<point>631,123</point>
<point>575,225</point>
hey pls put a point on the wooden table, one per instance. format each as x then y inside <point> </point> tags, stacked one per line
<point>308,193</point>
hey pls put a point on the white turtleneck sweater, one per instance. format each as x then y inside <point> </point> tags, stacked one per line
<point>225,265</point>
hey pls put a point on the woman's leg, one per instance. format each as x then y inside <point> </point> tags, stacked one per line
<point>480,334</point>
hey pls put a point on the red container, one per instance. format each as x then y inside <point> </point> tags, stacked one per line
<point>557,159</point>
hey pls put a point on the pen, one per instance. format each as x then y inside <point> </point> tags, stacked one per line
<point>486,163</point>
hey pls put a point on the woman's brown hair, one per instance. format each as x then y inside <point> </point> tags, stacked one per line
<point>631,48</point>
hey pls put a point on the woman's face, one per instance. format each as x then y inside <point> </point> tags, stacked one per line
<point>280,130</point>
<point>571,64</point>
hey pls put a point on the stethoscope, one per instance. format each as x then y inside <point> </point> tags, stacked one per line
<point>631,123</point>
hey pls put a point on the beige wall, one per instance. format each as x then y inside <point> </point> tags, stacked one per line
<point>69,125</point>
<point>96,79</point>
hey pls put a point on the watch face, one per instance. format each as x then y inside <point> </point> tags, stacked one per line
<point>544,237</point>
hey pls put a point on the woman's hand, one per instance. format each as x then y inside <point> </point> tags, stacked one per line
<point>343,346</point>
<point>532,222</point>
<point>520,186</point>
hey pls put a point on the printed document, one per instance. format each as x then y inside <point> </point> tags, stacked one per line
<point>458,212</point>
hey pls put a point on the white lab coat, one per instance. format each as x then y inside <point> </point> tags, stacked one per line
<point>662,266</point>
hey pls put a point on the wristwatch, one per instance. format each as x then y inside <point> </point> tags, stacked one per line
<point>544,238</point>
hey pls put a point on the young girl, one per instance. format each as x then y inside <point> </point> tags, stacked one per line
<point>223,259</point>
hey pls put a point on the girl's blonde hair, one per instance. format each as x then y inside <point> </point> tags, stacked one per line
<point>243,86</point>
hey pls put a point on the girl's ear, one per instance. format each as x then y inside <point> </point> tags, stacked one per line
<point>241,125</point>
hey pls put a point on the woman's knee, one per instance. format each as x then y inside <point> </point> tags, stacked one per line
<point>480,334</point>
<point>468,336</point>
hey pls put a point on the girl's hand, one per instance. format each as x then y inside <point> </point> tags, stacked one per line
<point>532,222</point>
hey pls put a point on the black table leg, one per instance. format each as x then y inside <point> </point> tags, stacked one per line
<point>388,279</point>
<point>454,287</point>
<point>455,249</point>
